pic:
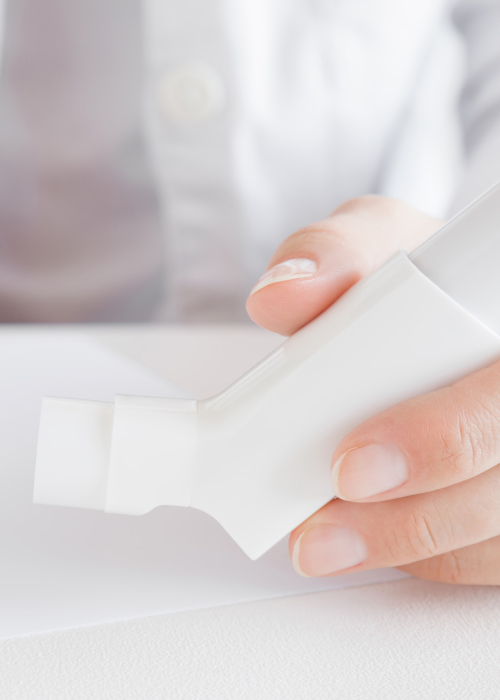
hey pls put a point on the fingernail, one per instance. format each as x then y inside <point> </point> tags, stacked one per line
<point>295,269</point>
<point>327,549</point>
<point>367,471</point>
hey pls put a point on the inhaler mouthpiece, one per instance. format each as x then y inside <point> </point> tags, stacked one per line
<point>125,457</point>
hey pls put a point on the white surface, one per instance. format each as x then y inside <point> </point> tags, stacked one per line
<point>64,567</point>
<point>408,639</point>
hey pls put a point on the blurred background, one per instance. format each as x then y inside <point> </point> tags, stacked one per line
<point>154,153</point>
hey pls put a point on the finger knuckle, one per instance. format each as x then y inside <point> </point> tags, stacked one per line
<point>450,567</point>
<point>460,446</point>
<point>485,433</point>
<point>470,443</point>
<point>419,538</point>
<point>462,566</point>
<point>312,235</point>
<point>365,201</point>
<point>458,566</point>
<point>446,568</point>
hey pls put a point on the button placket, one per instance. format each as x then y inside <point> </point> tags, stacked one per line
<point>189,124</point>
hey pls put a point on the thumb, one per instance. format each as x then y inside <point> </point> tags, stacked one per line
<point>314,266</point>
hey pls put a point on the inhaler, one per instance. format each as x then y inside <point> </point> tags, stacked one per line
<point>257,456</point>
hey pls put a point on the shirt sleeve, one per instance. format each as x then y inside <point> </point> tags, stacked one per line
<point>479,24</point>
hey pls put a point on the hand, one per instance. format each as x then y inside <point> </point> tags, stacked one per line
<point>419,484</point>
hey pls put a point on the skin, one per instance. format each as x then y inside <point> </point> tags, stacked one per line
<point>443,522</point>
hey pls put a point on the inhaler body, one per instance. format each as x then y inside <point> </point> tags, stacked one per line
<point>257,457</point>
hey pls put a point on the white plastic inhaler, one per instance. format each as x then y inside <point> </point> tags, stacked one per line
<point>257,456</point>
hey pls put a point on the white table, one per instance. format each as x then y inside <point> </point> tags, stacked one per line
<point>407,639</point>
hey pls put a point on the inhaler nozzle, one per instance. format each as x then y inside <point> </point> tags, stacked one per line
<point>152,440</point>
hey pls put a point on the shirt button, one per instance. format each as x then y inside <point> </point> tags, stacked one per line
<point>191,93</point>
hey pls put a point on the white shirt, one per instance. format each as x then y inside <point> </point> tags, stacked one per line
<point>153,154</point>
